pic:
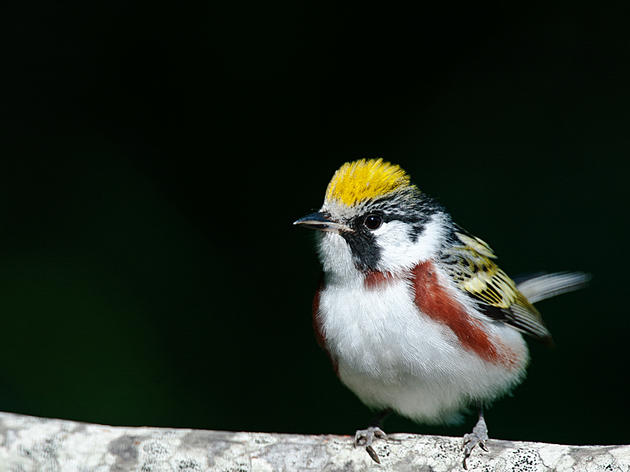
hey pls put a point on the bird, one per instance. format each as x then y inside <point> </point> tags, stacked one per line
<point>413,310</point>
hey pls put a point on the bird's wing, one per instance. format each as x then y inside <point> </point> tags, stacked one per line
<point>470,263</point>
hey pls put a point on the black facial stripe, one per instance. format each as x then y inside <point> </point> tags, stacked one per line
<point>365,251</point>
<point>417,222</point>
<point>418,211</point>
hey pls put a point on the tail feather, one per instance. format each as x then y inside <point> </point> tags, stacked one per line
<point>541,287</point>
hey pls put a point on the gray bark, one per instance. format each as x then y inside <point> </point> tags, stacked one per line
<point>38,444</point>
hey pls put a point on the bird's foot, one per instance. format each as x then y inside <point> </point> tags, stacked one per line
<point>478,437</point>
<point>365,437</point>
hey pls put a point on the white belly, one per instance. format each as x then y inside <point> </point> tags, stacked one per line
<point>392,355</point>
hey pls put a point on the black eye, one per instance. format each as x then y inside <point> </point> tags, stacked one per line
<point>373,221</point>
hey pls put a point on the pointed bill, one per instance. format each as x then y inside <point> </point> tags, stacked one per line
<point>322,222</point>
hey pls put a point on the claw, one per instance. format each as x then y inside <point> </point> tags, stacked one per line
<point>478,437</point>
<point>365,437</point>
<point>373,454</point>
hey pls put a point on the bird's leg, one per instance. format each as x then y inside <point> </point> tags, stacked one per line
<point>365,437</point>
<point>479,436</point>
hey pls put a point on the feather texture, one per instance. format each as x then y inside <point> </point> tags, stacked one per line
<point>541,287</point>
<point>469,261</point>
<point>362,180</point>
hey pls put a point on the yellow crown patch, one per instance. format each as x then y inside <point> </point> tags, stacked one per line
<point>365,179</point>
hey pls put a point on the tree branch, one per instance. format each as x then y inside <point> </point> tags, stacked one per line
<point>29,444</point>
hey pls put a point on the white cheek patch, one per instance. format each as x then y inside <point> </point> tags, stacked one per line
<point>398,250</point>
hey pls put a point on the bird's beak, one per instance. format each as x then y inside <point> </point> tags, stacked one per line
<point>322,222</point>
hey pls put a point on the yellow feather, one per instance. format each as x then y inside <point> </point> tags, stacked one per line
<point>361,180</point>
<point>484,280</point>
<point>476,244</point>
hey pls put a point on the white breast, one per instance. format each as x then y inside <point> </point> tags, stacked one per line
<point>392,355</point>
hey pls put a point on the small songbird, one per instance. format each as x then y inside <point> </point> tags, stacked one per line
<point>413,311</point>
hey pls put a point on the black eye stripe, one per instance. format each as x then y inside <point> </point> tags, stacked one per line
<point>365,251</point>
<point>415,212</point>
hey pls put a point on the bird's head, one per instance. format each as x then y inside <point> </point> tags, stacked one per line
<point>374,219</point>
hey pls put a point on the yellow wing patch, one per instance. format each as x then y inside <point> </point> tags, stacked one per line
<point>473,269</point>
<point>365,179</point>
<point>480,276</point>
<point>477,244</point>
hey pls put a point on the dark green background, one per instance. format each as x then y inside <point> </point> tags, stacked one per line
<point>154,157</point>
